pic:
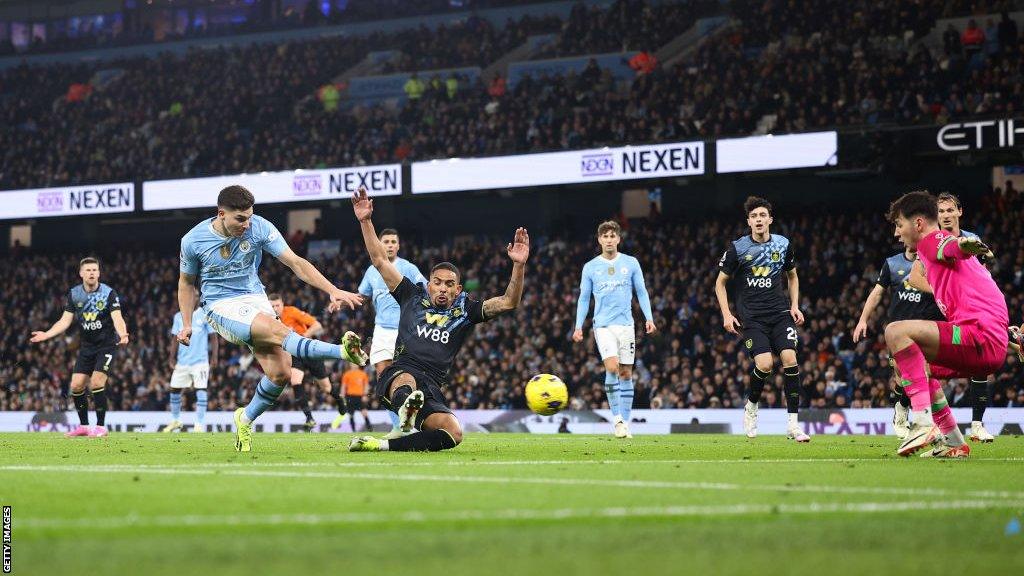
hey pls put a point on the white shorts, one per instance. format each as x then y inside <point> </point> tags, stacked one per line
<point>232,317</point>
<point>383,346</point>
<point>616,341</point>
<point>190,376</point>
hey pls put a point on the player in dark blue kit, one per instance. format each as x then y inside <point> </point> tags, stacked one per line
<point>433,323</point>
<point>97,309</point>
<point>767,317</point>
<point>905,303</point>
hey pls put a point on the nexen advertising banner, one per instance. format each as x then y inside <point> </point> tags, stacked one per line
<point>271,187</point>
<point>578,166</point>
<point>67,201</point>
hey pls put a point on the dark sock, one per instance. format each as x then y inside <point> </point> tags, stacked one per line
<point>99,402</point>
<point>398,398</point>
<point>302,400</point>
<point>979,396</point>
<point>757,382</point>
<point>352,420</point>
<point>791,387</point>
<point>367,421</point>
<point>426,441</point>
<point>339,400</point>
<point>81,406</point>
<point>898,395</point>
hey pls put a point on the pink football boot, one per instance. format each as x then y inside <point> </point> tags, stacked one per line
<point>98,432</point>
<point>80,431</point>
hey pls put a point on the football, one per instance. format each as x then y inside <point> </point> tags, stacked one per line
<point>546,394</point>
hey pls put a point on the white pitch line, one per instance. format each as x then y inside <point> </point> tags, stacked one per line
<point>511,514</point>
<point>401,464</point>
<point>656,484</point>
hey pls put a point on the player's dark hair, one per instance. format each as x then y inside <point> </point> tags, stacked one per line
<point>88,260</point>
<point>447,266</point>
<point>273,296</point>
<point>609,226</point>
<point>755,202</point>
<point>949,197</point>
<point>387,232</point>
<point>916,203</point>
<point>235,197</point>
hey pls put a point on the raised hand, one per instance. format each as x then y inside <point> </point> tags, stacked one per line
<point>362,205</point>
<point>519,249</point>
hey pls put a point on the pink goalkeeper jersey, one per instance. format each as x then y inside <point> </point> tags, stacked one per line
<point>964,289</point>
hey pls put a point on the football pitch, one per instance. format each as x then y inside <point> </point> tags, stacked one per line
<point>157,504</point>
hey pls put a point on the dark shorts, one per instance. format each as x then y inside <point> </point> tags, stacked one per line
<point>310,367</point>
<point>434,400</point>
<point>95,359</point>
<point>770,334</point>
<point>354,404</point>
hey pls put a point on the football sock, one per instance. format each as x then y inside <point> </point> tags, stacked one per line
<point>611,389</point>
<point>265,396</point>
<point>99,402</point>
<point>911,364</point>
<point>900,397</point>
<point>399,396</point>
<point>791,383</point>
<point>757,382</point>
<point>81,406</point>
<point>339,401</point>
<point>392,415</point>
<point>979,397</point>
<point>425,441</point>
<point>626,391</point>
<point>201,401</point>
<point>302,400</point>
<point>175,405</point>
<point>308,348</point>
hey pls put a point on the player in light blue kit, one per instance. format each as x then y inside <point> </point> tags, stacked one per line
<point>191,365</point>
<point>612,278</point>
<point>387,311</point>
<point>224,254</point>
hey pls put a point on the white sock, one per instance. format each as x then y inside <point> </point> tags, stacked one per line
<point>749,404</point>
<point>245,419</point>
<point>954,437</point>
<point>793,423</point>
<point>921,417</point>
<point>384,446</point>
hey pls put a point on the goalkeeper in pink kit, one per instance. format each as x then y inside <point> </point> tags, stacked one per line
<point>971,342</point>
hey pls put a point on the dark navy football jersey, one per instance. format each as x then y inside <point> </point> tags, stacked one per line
<point>756,270</point>
<point>92,312</point>
<point>429,337</point>
<point>905,302</point>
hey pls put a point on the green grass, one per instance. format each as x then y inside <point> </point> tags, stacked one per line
<point>508,503</point>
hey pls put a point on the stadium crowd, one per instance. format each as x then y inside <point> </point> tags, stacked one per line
<point>690,362</point>
<point>250,108</point>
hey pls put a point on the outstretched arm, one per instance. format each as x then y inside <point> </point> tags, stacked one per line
<point>518,251</point>
<point>59,327</point>
<point>362,206</point>
<point>310,275</point>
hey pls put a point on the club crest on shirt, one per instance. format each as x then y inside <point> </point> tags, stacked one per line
<point>100,305</point>
<point>749,343</point>
<point>245,246</point>
<point>901,272</point>
<point>776,257</point>
<point>624,271</point>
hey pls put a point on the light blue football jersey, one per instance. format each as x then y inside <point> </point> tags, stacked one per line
<point>227,267</point>
<point>198,350</point>
<point>387,310</point>
<point>612,283</point>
